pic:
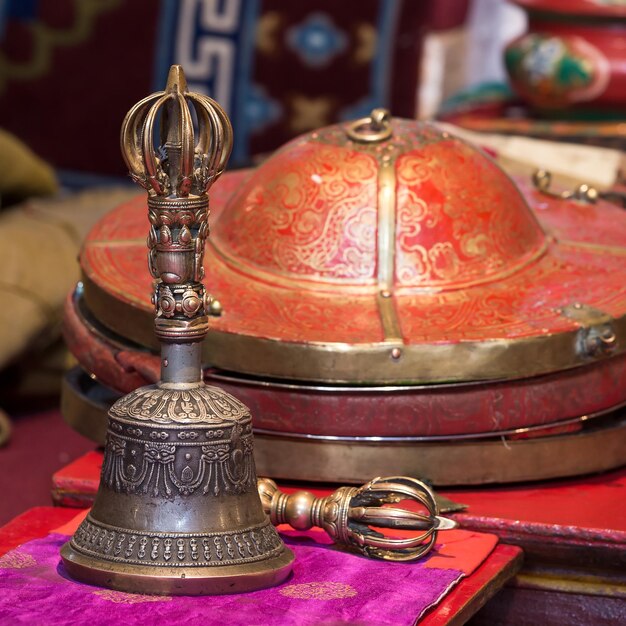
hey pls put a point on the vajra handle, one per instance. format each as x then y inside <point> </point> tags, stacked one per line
<point>177,173</point>
<point>354,516</point>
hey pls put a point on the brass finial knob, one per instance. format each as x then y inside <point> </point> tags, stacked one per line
<point>177,510</point>
<point>352,515</point>
<point>372,129</point>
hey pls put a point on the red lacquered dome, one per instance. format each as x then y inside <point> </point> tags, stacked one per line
<point>317,213</point>
<point>410,257</point>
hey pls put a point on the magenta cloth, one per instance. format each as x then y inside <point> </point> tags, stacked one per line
<point>327,587</point>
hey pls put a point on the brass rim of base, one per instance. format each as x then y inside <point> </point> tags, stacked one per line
<point>453,464</point>
<point>216,580</point>
<point>376,363</point>
<point>442,463</point>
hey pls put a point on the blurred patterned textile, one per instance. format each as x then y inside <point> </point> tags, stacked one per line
<point>22,173</point>
<point>39,243</point>
<point>278,67</point>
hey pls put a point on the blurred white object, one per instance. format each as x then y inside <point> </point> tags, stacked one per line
<point>568,163</point>
<point>443,70</point>
<point>457,58</point>
<point>492,24</point>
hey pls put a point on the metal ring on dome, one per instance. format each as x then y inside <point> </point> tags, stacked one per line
<point>372,129</point>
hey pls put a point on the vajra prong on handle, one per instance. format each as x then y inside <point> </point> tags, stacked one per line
<point>354,516</point>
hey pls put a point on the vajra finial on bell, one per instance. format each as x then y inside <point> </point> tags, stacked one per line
<point>186,163</point>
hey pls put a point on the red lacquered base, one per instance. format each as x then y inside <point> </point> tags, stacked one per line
<point>428,411</point>
<point>579,520</point>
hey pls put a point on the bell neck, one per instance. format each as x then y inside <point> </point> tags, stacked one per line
<point>181,363</point>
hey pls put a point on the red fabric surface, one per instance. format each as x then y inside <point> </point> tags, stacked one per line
<point>40,444</point>
<point>32,524</point>
<point>581,502</point>
<point>474,591</point>
<point>588,502</point>
<point>75,484</point>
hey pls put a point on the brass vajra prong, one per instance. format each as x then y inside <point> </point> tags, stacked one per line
<point>354,516</point>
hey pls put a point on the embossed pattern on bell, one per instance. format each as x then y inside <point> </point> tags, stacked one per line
<point>199,404</point>
<point>168,462</point>
<point>114,544</point>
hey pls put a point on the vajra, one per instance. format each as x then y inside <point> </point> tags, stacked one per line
<point>356,517</point>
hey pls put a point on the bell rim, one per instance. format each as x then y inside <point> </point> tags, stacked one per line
<point>203,580</point>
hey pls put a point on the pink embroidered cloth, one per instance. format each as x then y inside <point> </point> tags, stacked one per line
<point>327,586</point>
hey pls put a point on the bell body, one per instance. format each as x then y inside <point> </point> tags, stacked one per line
<point>178,511</point>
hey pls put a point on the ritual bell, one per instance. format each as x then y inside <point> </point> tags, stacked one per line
<point>177,510</point>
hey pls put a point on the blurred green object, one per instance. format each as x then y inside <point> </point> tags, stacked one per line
<point>22,173</point>
<point>5,428</point>
<point>493,93</point>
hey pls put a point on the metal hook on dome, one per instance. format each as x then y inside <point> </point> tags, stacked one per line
<point>372,129</point>
<point>585,193</point>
